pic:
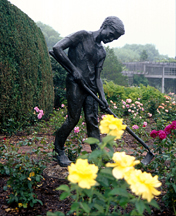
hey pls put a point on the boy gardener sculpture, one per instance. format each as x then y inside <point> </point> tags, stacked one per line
<point>85,60</point>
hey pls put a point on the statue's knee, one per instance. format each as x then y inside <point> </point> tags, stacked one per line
<point>73,120</point>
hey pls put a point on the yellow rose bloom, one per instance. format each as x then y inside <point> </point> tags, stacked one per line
<point>123,165</point>
<point>32,174</point>
<point>20,205</point>
<point>83,173</point>
<point>144,184</point>
<point>112,126</point>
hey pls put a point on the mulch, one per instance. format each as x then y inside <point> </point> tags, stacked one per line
<point>46,189</point>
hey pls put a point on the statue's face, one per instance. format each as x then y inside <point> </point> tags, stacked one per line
<point>108,34</point>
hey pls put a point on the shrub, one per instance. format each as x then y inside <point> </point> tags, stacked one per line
<point>25,77</point>
<point>59,81</point>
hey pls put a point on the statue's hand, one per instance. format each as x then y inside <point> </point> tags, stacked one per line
<point>105,106</point>
<point>77,76</point>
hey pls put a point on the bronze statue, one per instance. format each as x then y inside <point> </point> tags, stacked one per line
<point>85,60</point>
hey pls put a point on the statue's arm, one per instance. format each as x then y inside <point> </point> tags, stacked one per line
<point>61,56</point>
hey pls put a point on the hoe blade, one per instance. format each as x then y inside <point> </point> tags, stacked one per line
<point>147,158</point>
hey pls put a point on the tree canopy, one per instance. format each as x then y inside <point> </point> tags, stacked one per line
<point>51,36</point>
<point>112,68</point>
<point>59,73</point>
<point>133,52</point>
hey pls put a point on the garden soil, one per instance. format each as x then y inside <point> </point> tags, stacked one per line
<point>46,188</point>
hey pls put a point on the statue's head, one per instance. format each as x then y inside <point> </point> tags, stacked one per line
<point>115,23</point>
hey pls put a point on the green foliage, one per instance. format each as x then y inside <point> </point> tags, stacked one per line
<point>51,36</point>
<point>140,79</point>
<point>108,194</point>
<point>164,166</point>
<point>165,112</point>
<point>143,56</point>
<point>59,73</point>
<point>113,91</point>
<point>25,69</point>
<point>59,81</point>
<point>133,52</point>
<point>112,68</point>
<point>126,55</point>
<point>24,172</point>
<point>147,94</point>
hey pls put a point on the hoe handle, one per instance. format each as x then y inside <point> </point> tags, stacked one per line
<point>107,110</point>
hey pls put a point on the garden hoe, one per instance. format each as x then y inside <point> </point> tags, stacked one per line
<point>149,155</point>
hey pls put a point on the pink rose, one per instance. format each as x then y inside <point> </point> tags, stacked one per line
<point>162,135</point>
<point>128,100</point>
<point>144,124</point>
<point>149,114</point>
<point>173,125</point>
<point>39,116</point>
<point>154,133</point>
<point>62,105</point>
<point>41,111</point>
<point>36,109</point>
<point>135,127</point>
<point>76,129</point>
<point>103,116</point>
<point>127,106</point>
<point>168,129</point>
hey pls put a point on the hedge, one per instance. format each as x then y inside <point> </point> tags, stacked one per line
<point>25,71</point>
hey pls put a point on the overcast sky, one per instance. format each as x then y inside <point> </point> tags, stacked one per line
<point>145,21</point>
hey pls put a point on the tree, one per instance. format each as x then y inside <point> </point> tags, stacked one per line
<point>51,36</point>
<point>59,81</point>
<point>59,73</point>
<point>143,56</point>
<point>132,52</point>
<point>112,68</point>
<point>140,79</point>
<point>126,55</point>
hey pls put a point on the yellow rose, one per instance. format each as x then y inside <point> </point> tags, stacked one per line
<point>112,126</point>
<point>144,184</point>
<point>32,174</point>
<point>20,205</point>
<point>123,165</point>
<point>83,173</point>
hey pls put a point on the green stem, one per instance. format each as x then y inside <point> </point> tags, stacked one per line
<point>77,198</point>
<point>90,199</point>
<point>174,210</point>
<point>107,208</point>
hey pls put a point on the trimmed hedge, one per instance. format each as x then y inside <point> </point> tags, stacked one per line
<point>25,71</point>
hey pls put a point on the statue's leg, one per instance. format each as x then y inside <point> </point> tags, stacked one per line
<point>75,100</point>
<point>91,117</point>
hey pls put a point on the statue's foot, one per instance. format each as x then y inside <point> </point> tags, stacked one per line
<point>94,146</point>
<point>62,159</point>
